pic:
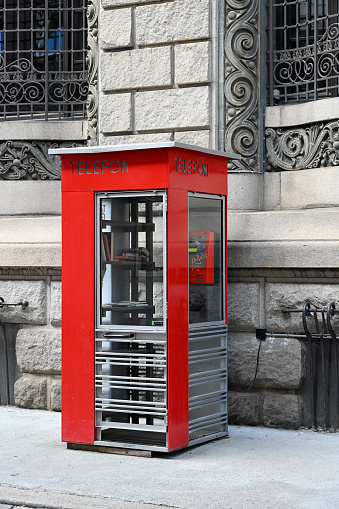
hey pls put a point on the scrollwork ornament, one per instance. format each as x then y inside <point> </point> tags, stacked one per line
<point>92,64</point>
<point>241,96</point>
<point>22,160</point>
<point>300,148</point>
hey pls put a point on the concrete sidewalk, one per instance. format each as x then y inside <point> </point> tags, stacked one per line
<point>255,468</point>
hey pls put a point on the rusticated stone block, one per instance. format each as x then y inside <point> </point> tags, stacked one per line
<point>19,290</point>
<point>135,138</point>
<point>294,295</point>
<point>115,112</point>
<point>173,21</point>
<point>115,28</point>
<point>244,408</point>
<point>191,63</point>
<point>147,67</point>
<point>243,306</point>
<point>31,392</point>
<point>39,350</point>
<point>118,3</point>
<point>199,138</point>
<point>55,311</point>
<point>56,395</point>
<point>166,109</point>
<point>282,411</point>
<point>281,362</point>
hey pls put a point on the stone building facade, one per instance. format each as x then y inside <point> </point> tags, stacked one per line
<point>194,71</point>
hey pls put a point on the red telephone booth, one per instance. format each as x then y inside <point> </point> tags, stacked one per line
<point>144,331</point>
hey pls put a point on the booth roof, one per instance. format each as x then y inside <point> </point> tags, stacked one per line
<point>140,146</point>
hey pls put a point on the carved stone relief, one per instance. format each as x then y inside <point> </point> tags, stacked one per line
<point>23,160</point>
<point>241,88</point>
<point>299,148</point>
<point>92,65</point>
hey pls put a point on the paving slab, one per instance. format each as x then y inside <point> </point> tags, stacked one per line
<point>253,468</point>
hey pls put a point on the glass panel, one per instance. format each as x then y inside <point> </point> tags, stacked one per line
<point>131,250</point>
<point>206,302</point>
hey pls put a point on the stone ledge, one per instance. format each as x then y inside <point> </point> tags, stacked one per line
<point>284,239</point>
<point>30,255</point>
<point>284,225</point>
<point>304,113</point>
<point>30,241</point>
<point>41,130</point>
<point>282,255</point>
<point>30,197</point>
<point>32,229</point>
<point>292,190</point>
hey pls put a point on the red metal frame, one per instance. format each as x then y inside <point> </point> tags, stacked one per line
<point>175,169</point>
<point>78,317</point>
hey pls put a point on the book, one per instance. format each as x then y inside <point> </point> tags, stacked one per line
<point>108,245</point>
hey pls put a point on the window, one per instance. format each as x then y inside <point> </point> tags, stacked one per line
<point>303,50</point>
<point>206,255</point>
<point>43,59</point>
<point>132,261</point>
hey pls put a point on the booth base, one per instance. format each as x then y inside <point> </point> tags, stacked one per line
<point>110,450</point>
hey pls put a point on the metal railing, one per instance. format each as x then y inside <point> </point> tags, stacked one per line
<point>320,388</point>
<point>303,50</point>
<point>8,365</point>
<point>43,47</point>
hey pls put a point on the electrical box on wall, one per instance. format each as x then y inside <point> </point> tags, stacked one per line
<point>144,329</point>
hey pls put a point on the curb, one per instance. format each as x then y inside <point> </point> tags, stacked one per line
<point>11,496</point>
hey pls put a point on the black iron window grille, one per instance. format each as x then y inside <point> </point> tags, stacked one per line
<point>43,45</point>
<point>303,50</point>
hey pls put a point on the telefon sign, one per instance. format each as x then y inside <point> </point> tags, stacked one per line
<point>99,167</point>
<point>192,167</point>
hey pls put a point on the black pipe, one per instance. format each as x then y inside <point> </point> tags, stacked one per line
<point>305,313</point>
<point>330,312</point>
<point>6,362</point>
